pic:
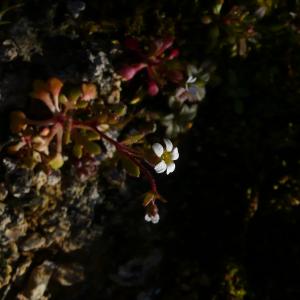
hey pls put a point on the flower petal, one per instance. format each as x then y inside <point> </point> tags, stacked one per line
<point>158,149</point>
<point>170,168</point>
<point>160,167</point>
<point>169,145</point>
<point>148,218</point>
<point>155,219</point>
<point>191,79</point>
<point>175,154</point>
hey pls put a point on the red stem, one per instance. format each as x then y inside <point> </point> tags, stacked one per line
<point>146,172</point>
<point>125,151</point>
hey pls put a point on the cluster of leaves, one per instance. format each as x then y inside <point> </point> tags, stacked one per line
<point>42,141</point>
<point>180,84</point>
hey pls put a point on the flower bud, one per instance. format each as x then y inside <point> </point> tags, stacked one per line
<point>153,88</point>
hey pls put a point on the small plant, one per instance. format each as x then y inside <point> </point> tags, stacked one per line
<point>78,121</point>
<point>43,140</point>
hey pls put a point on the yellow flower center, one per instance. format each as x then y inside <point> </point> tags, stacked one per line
<point>167,157</point>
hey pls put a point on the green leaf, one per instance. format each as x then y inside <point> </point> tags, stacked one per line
<point>57,162</point>
<point>63,99</point>
<point>89,91</point>
<point>74,94</point>
<point>92,135</point>
<point>119,109</point>
<point>77,150</point>
<point>82,104</point>
<point>149,197</point>
<point>131,168</point>
<point>92,148</point>
<point>133,139</point>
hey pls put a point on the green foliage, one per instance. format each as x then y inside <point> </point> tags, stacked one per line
<point>131,168</point>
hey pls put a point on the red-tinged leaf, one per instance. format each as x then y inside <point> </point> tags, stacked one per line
<point>77,150</point>
<point>131,168</point>
<point>128,72</point>
<point>54,86</point>
<point>92,148</point>
<point>92,136</point>
<point>89,91</point>
<point>163,45</point>
<point>45,132</point>
<point>74,95</point>
<point>44,96</point>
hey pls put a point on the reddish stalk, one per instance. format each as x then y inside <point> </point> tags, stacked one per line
<point>92,125</point>
<point>130,155</point>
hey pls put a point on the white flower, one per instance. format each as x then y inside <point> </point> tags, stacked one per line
<point>167,155</point>
<point>154,219</point>
<point>191,79</point>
